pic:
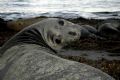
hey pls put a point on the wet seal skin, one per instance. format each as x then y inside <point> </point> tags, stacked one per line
<point>32,54</point>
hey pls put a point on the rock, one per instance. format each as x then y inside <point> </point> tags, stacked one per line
<point>19,24</point>
<point>90,28</point>
<point>110,30</point>
<point>2,25</point>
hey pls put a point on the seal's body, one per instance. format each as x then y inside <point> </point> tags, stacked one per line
<point>30,54</point>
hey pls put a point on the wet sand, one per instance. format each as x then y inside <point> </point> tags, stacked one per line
<point>104,54</point>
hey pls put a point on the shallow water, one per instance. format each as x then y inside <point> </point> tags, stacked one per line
<point>11,9</point>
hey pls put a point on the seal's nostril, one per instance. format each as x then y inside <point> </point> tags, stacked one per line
<point>72,33</point>
<point>58,41</point>
<point>61,22</point>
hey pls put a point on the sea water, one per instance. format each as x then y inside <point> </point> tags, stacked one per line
<point>98,9</point>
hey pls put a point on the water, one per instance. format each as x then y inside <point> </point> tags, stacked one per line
<point>13,9</point>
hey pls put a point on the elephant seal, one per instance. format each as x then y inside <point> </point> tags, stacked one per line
<point>31,54</point>
<point>52,33</point>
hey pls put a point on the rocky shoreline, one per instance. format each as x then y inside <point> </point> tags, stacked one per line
<point>112,67</point>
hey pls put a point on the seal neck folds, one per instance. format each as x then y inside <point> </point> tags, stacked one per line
<point>32,36</point>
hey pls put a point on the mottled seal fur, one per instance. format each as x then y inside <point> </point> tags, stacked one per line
<point>30,54</point>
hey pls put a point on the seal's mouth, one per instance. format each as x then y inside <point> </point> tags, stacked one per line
<point>55,39</point>
<point>58,41</point>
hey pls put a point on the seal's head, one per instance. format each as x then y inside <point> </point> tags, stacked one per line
<point>57,33</point>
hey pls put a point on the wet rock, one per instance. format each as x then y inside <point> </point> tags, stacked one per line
<point>19,24</point>
<point>90,28</point>
<point>2,25</point>
<point>110,29</point>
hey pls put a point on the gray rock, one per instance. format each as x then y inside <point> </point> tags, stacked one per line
<point>90,32</point>
<point>110,30</point>
<point>91,29</point>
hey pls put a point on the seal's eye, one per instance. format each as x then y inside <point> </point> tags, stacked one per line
<point>58,41</point>
<point>72,33</point>
<point>61,22</point>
